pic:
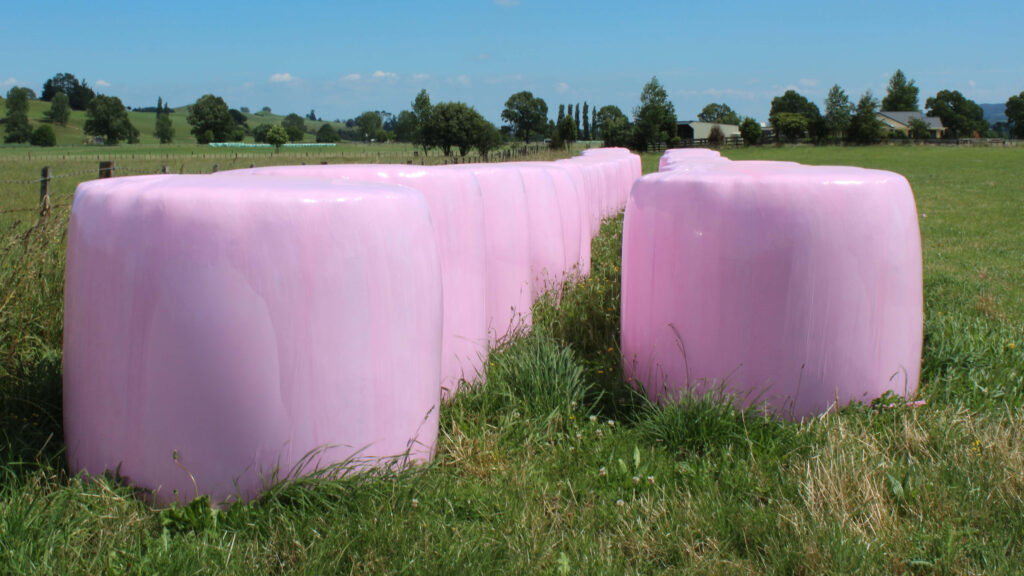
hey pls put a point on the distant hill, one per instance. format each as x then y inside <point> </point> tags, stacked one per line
<point>994,112</point>
<point>72,133</point>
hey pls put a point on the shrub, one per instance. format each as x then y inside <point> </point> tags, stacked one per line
<point>44,136</point>
<point>716,138</point>
<point>327,134</point>
<point>750,130</point>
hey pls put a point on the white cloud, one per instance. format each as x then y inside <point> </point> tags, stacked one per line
<point>382,74</point>
<point>421,76</point>
<point>972,83</point>
<point>462,79</point>
<point>352,77</point>
<point>562,87</point>
<point>282,78</point>
<point>507,2</point>
<point>9,82</point>
<point>808,82</point>
<point>248,85</point>
<point>102,84</point>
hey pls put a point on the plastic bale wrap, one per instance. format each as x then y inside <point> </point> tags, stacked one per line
<point>507,241</point>
<point>677,156</point>
<point>798,287</point>
<point>600,179</point>
<point>571,212</point>
<point>456,209</point>
<point>587,232</point>
<point>547,248</point>
<point>628,167</point>
<point>220,333</point>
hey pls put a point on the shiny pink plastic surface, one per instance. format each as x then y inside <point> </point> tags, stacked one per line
<point>219,329</point>
<point>456,209</point>
<point>547,244</point>
<point>795,286</point>
<point>676,157</point>
<point>507,241</point>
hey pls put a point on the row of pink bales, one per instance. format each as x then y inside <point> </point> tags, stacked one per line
<point>220,329</point>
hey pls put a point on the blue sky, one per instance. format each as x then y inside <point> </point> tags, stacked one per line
<point>341,58</point>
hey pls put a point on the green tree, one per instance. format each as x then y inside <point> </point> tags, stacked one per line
<point>719,114</point>
<point>259,133</point>
<point>421,109</point>
<point>614,126</point>
<point>750,131</point>
<point>586,121</point>
<point>901,95</point>
<point>789,126</point>
<point>79,94</point>
<point>603,115</point>
<point>865,127</point>
<point>295,126</point>
<point>451,125</point>
<point>918,129</point>
<point>107,117</point>
<point>16,123</point>
<point>655,118</point>
<point>792,102</point>
<point>211,120</point>
<point>277,136</point>
<point>838,112</point>
<point>1015,115</point>
<point>60,110</point>
<point>164,128</point>
<point>961,116</point>
<point>577,118</point>
<point>406,127</point>
<point>327,134</point>
<point>370,123</point>
<point>44,136</point>
<point>487,136</point>
<point>561,113</point>
<point>526,114</point>
<point>567,133</point>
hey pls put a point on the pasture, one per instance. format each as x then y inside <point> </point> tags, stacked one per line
<point>554,466</point>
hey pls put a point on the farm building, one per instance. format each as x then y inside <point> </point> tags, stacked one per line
<point>695,130</point>
<point>900,122</point>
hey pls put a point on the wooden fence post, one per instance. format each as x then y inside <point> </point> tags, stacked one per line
<point>44,191</point>
<point>106,169</point>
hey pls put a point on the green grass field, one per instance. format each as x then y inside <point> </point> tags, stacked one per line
<point>555,467</point>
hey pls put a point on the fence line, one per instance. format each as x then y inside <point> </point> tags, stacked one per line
<point>108,168</point>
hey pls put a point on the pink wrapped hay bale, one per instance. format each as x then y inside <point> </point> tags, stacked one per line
<point>627,166</point>
<point>220,330</point>
<point>547,243</point>
<point>507,244</point>
<point>456,209</point>
<point>794,286</point>
<point>675,157</point>
<point>582,202</point>
<point>575,224</point>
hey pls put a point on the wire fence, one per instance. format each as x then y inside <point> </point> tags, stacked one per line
<point>56,190</point>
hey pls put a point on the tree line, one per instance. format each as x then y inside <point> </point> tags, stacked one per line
<point>456,127</point>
